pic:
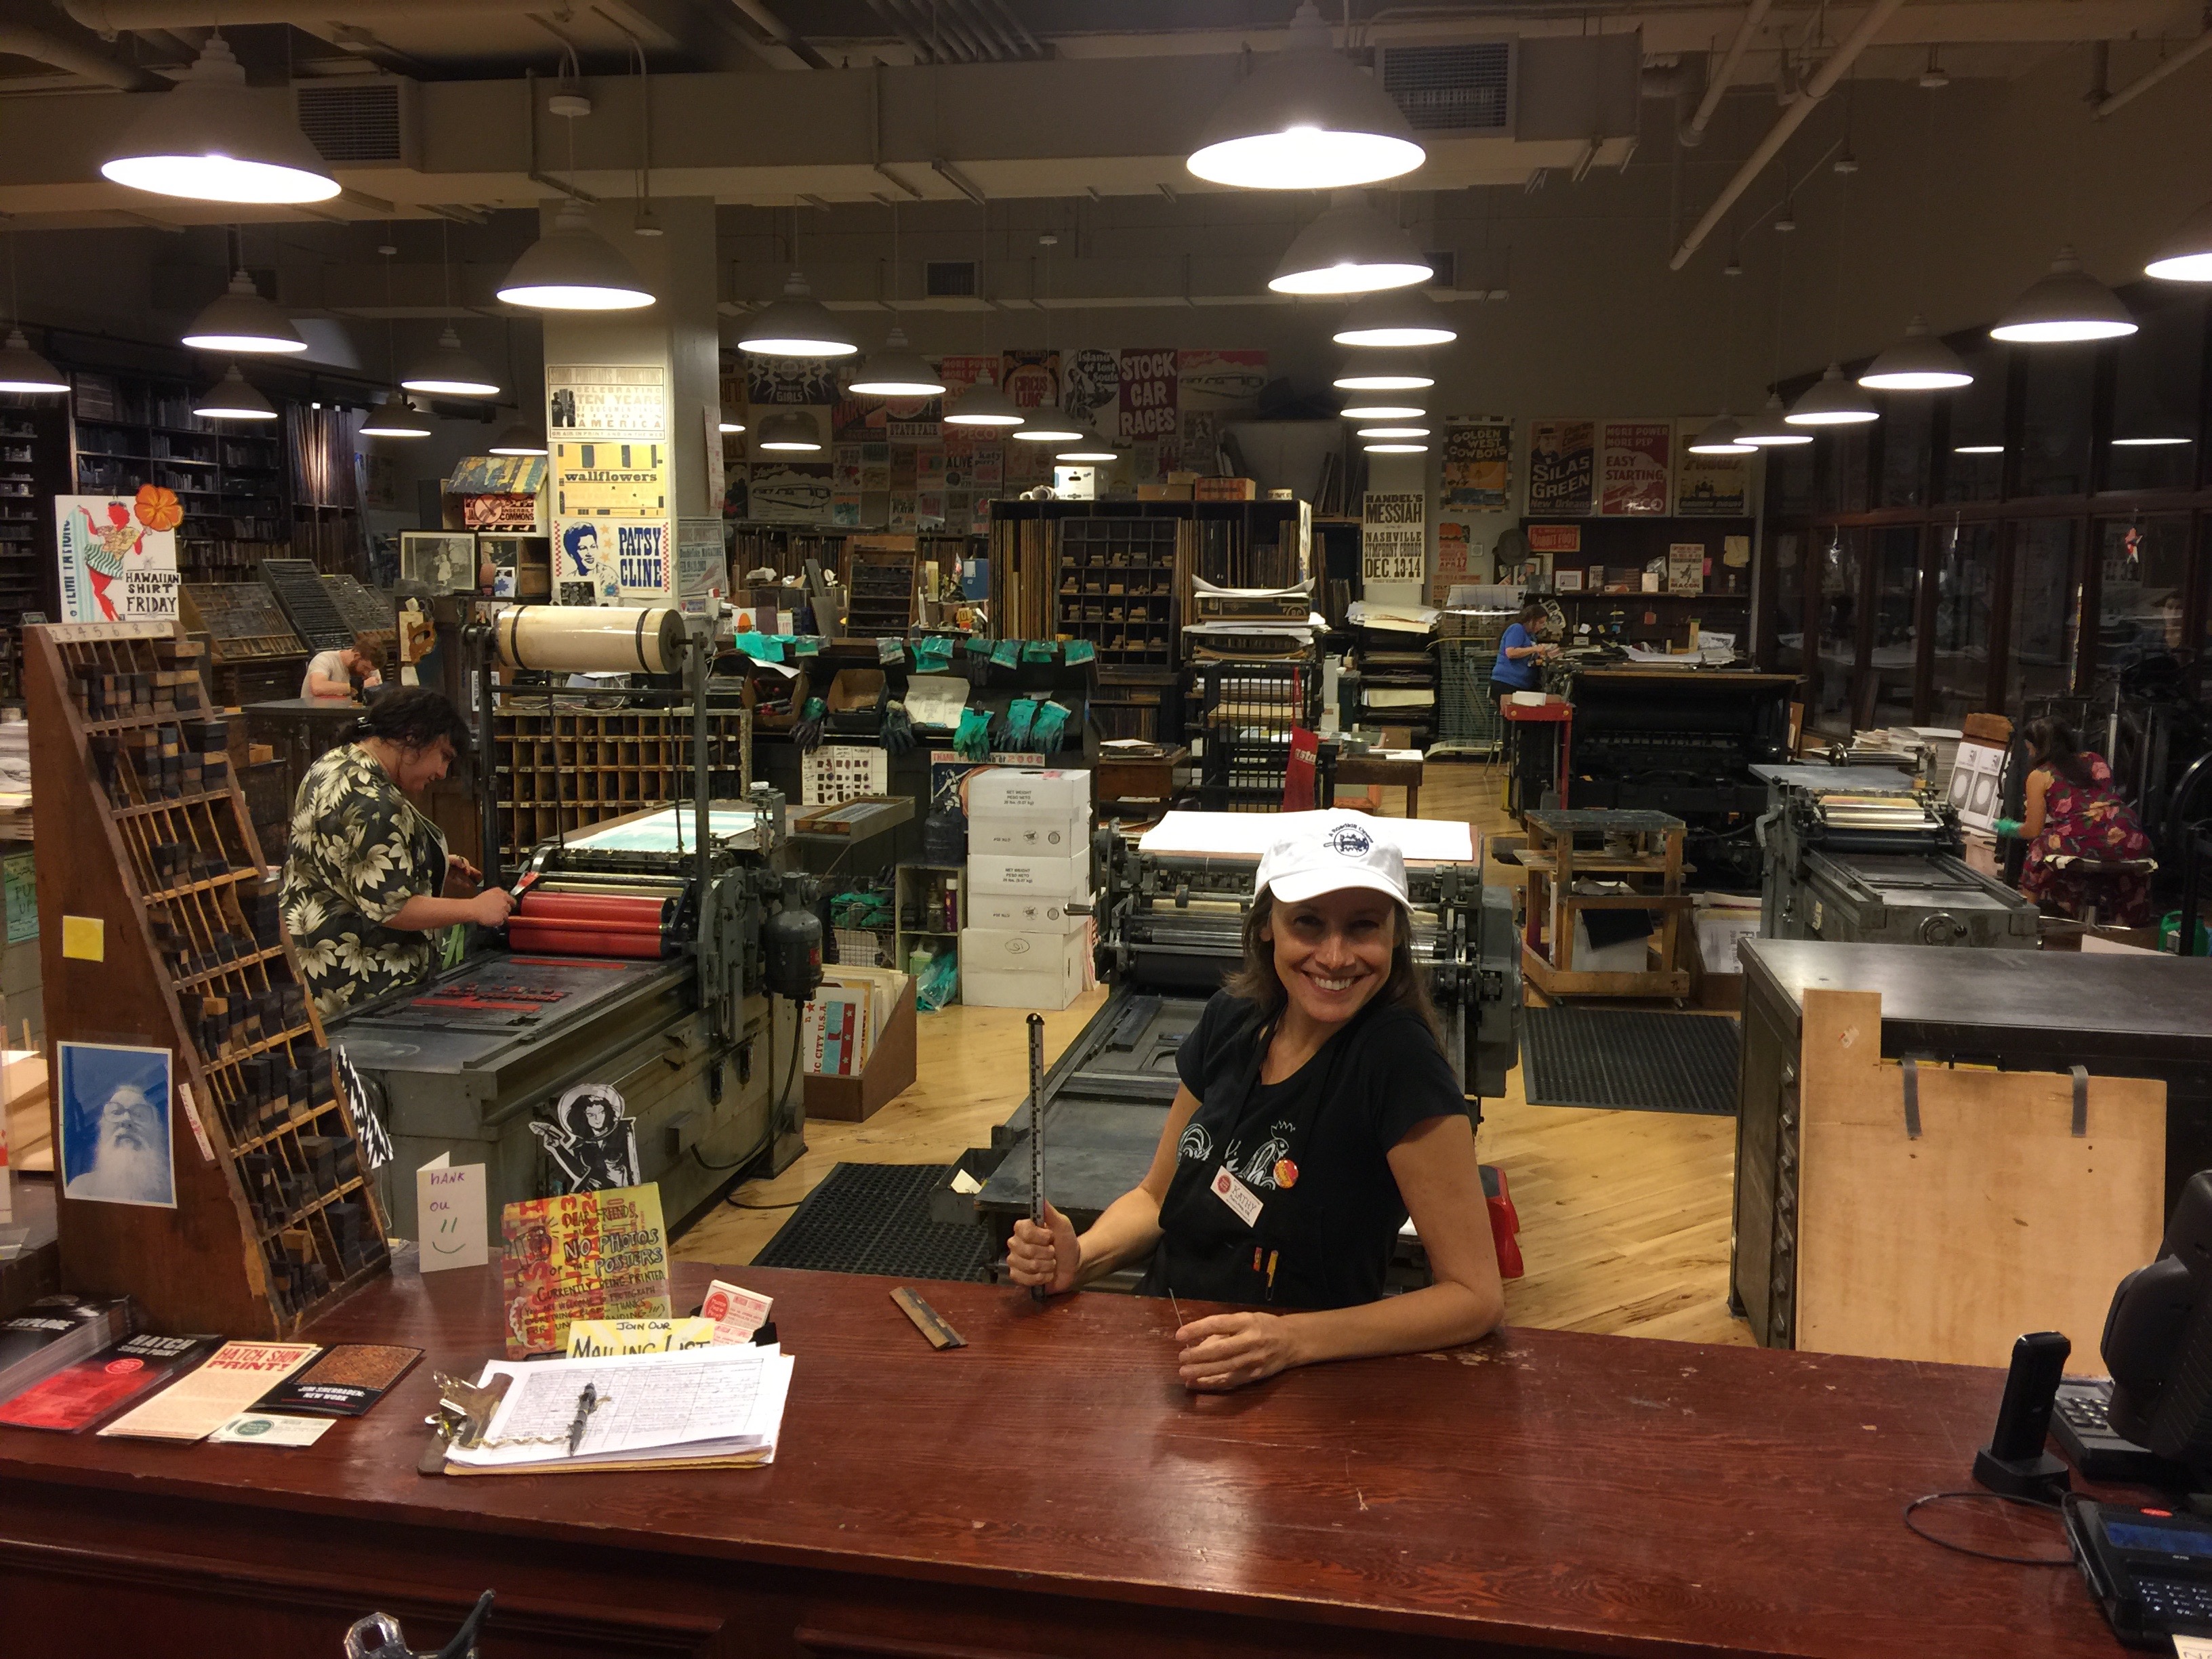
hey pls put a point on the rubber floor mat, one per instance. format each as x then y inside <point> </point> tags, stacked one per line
<point>874,1218</point>
<point>1632,1059</point>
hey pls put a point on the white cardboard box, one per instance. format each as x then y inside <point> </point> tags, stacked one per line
<point>1028,829</point>
<point>1021,970</point>
<point>1030,875</point>
<point>1029,789</point>
<point>1012,914</point>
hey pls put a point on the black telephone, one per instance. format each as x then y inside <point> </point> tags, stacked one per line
<point>2150,1569</point>
<point>2014,1462</point>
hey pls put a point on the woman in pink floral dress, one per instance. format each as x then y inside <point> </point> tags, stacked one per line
<point>2073,810</point>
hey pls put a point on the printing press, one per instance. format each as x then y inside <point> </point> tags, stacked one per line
<point>639,955</point>
<point>1169,925</point>
<point>1860,854</point>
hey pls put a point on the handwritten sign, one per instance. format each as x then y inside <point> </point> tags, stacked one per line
<point>582,1256</point>
<point>450,1212</point>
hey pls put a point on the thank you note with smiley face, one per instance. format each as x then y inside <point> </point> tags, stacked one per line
<point>450,1213</point>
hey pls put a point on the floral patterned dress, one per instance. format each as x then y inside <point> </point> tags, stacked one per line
<point>360,851</point>
<point>2088,822</point>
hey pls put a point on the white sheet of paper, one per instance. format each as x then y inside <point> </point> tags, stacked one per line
<point>2192,1647</point>
<point>269,1429</point>
<point>450,1214</point>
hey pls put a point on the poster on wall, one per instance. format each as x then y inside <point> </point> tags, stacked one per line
<point>793,492</point>
<point>791,382</point>
<point>1562,468</point>
<point>1207,380</point>
<point>606,400</point>
<point>585,571</point>
<point>701,568</point>
<point>1148,396</point>
<point>1031,379</point>
<point>1633,468</point>
<point>1455,560</point>
<point>1394,542</point>
<point>609,480</point>
<point>1091,387</point>
<point>1709,486</point>
<point>645,563</point>
<point>115,1118</point>
<point>1478,464</point>
<point>959,373</point>
<point>117,556</point>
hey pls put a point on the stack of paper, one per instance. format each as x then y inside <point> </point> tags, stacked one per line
<point>719,1405</point>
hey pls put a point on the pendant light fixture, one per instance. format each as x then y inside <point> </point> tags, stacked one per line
<point>2065,304</point>
<point>240,321</point>
<point>2185,256</point>
<point>1723,437</point>
<point>1399,374</point>
<point>449,371</point>
<point>231,398</point>
<point>793,432</point>
<point>23,370</point>
<point>729,424</point>
<point>1088,448</point>
<point>395,416</point>
<point>1370,408</point>
<point>1048,426</point>
<point>1918,363</point>
<point>2152,440</point>
<point>1832,400</point>
<point>211,138</point>
<point>1306,118</point>
<point>984,405</point>
<point>572,268</point>
<point>1352,248</point>
<point>520,438</point>
<point>897,371</point>
<point>1769,428</point>
<point>1395,449</point>
<point>1395,317</point>
<point>797,326</point>
<point>1392,432</point>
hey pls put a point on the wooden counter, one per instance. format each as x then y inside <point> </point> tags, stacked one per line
<point>1052,1490</point>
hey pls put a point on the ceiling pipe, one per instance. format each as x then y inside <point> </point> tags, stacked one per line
<point>1717,84</point>
<point>986,27</point>
<point>20,41</point>
<point>108,18</point>
<point>1028,45</point>
<point>1822,83</point>
<point>776,30</point>
<point>2142,83</point>
<point>898,24</point>
<point>950,21</point>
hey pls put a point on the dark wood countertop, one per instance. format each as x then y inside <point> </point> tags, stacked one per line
<point>1542,1489</point>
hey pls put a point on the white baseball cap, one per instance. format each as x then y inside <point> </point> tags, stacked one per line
<point>1329,853</point>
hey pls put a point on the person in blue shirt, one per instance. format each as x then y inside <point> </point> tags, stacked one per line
<point>1519,652</point>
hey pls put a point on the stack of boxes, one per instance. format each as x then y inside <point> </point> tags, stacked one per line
<point>1028,942</point>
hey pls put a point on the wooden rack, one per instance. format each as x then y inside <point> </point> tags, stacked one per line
<point>150,851</point>
<point>880,593</point>
<point>254,656</point>
<point>561,768</point>
<point>1119,582</point>
<point>1643,848</point>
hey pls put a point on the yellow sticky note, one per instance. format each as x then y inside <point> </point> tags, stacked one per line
<point>84,939</point>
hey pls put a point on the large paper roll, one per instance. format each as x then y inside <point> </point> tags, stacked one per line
<point>587,639</point>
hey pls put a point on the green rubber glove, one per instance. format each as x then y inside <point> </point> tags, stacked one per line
<point>973,740</point>
<point>1019,714</point>
<point>2007,829</point>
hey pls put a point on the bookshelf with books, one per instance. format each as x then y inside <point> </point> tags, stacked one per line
<point>34,468</point>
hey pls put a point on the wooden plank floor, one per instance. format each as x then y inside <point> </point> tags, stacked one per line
<point>1624,1215</point>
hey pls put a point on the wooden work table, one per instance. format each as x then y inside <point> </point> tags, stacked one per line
<point>1051,1489</point>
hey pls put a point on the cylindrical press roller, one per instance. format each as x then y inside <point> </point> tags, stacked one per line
<point>589,639</point>
<point>593,925</point>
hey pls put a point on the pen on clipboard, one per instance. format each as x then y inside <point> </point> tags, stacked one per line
<point>587,1403</point>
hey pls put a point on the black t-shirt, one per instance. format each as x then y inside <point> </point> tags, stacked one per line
<point>1313,1150</point>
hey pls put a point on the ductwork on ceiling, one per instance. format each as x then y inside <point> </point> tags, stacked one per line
<point>44,46</point>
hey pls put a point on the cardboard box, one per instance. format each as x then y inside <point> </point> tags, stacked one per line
<point>1006,913</point>
<point>1022,970</point>
<point>1029,789</point>
<point>1225,490</point>
<point>1160,492</point>
<point>890,1070</point>
<point>1041,831</point>
<point>1029,876</point>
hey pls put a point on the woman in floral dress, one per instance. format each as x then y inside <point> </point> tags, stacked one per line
<point>364,884</point>
<point>2072,810</point>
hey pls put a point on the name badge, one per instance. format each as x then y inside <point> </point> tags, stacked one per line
<point>1238,1196</point>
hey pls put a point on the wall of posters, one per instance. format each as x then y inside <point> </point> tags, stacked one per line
<point>585,566</point>
<point>793,492</point>
<point>117,556</point>
<point>1031,379</point>
<point>1478,463</point>
<point>1562,468</point>
<point>1634,468</point>
<point>606,400</point>
<point>609,480</point>
<point>1455,562</point>
<point>1090,388</point>
<point>1210,380</point>
<point>1149,410</point>
<point>1394,541</point>
<point>1709,486</point>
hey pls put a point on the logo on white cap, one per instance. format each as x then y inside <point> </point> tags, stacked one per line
<point>1348,839</point>
<point>1339,851</point>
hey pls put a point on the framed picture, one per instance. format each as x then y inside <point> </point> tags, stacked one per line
<point>115,1121</point>
<point>1567,582</point>
<point>444,560</point>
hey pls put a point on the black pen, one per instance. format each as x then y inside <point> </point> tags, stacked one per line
<point>587,1403</point>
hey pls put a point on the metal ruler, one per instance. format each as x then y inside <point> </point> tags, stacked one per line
<point>926,1320</point>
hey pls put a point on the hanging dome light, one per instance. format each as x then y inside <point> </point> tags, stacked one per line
<point>1402,376</point>
<point>2185,256</point>
<point>572,268</point>
<point>791,432</point>
<point>897,371</point>
<point>1306,118</point>
<point>1918,363</point>
<point>1978,449</point>
<point>1769,428</point>
<point>1048,426</point>
<point>395,416</point>
<point>797,326</point>
<point>520,439</point>
<point>23,370</point>
<point>1088,448</point>
<point>1392,432</point>
<point>452,373</point>
<point>1832,400</point>
<point>2065,304</point>
<point>1395,317</point>
<point>1373,409</point>
<point>1351,249</point>
<point>1395,449</point>
<point>1721,437</point>
<point>212,138</point>
<point>231,398</point>
<point>241,320</point>
<point>983,404</point>
<point>729,424</point>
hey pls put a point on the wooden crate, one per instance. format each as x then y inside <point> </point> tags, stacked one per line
<point>1552,863</point>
